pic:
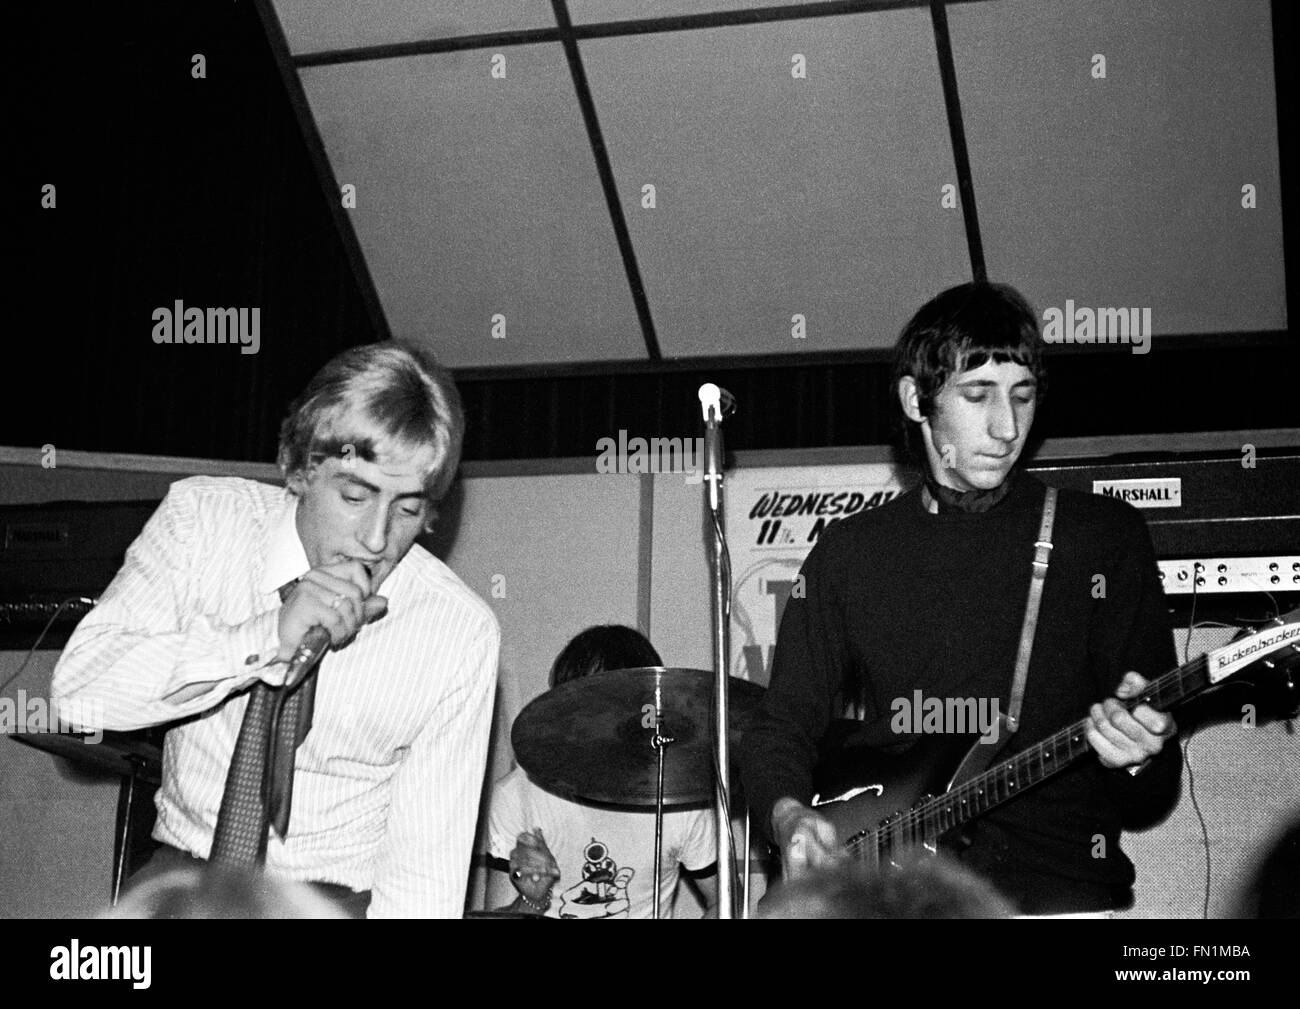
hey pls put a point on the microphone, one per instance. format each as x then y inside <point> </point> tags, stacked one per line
<point>710,402</point>
<point>314,644</point>
<point>715,403</point>
<point>722,402</point>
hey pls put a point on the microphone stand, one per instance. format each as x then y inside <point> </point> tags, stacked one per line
<point>713,455</point>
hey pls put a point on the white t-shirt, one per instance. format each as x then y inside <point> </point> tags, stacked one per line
<point>606,857</point>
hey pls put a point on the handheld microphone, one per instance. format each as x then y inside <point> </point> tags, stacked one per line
<point>314,644</point>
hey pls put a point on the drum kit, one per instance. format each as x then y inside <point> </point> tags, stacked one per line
<point>656,736</point>
<point>632,738</point>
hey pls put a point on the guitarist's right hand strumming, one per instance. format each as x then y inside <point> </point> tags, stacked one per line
<point>806,838</point>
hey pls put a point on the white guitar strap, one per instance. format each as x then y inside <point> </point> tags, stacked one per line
<point>1042,555</point>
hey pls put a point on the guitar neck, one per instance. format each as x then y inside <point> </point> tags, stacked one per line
<point>1054,754</point>
<point>925,822</point>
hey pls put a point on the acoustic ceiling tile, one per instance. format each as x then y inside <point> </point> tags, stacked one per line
<point>776,196</point>
<point>1126,191</point>
<point>478,206</point>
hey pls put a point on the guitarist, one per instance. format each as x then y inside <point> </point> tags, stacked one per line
<point>929,592</point>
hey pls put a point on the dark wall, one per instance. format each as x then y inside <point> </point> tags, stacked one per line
<point>168,188</point>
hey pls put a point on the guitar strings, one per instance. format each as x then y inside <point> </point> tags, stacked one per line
<point>908,823</point>
<point>913,820</point>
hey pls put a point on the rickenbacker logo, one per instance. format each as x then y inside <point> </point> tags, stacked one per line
<point>1151,492</point>
<point>1225,661</point>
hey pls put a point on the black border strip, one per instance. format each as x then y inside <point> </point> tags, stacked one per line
<point>293,89</point>
<point>607,29</point>
<point>427,47</point>
<point>607,183</point>
<point>957,130</point>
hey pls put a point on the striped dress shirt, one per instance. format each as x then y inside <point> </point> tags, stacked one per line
<point>386,784</point>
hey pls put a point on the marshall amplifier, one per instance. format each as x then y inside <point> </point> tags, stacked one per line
<point>1222,523</point>
<point>1226,528</point>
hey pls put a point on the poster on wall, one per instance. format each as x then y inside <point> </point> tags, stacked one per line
<point>774,515</point>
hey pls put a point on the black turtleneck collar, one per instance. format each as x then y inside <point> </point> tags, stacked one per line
<point>971,501</point>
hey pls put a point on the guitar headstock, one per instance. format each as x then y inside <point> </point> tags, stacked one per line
<point>1277,640</point>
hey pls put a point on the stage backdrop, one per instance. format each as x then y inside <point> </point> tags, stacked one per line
<point>555,547</point>
<point>774,516</point>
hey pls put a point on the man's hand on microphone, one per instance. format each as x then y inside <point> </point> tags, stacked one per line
<point>336,597</point>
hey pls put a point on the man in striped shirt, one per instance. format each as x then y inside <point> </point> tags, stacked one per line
<point>229,575</point>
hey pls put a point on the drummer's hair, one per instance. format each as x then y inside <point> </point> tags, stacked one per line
<point>606,646</point>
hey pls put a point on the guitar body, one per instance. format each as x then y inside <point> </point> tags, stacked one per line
<point>862,789</point>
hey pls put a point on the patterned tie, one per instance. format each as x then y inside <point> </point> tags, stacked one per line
<point>259,785</point>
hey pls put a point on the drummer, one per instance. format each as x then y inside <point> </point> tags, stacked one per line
<point>570,860</point>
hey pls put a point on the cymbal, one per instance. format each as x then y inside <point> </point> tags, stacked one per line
<point>591,738</point>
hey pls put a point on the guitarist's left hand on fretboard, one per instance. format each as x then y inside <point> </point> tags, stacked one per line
<point>1124,738</point>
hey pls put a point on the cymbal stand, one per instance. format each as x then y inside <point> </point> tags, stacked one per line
<point>660,741</point>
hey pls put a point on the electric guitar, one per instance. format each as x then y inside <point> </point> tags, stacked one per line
<point>887,806</point>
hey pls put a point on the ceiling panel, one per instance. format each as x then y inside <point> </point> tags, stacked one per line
<point>779,197</point>
<point>1127,191</point>
<point>311,26</point>
<point>479,197</point>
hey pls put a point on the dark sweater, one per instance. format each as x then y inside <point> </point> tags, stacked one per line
<point>897,599</point>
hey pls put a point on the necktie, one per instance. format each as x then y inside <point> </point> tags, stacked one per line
<point>259,784</point>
